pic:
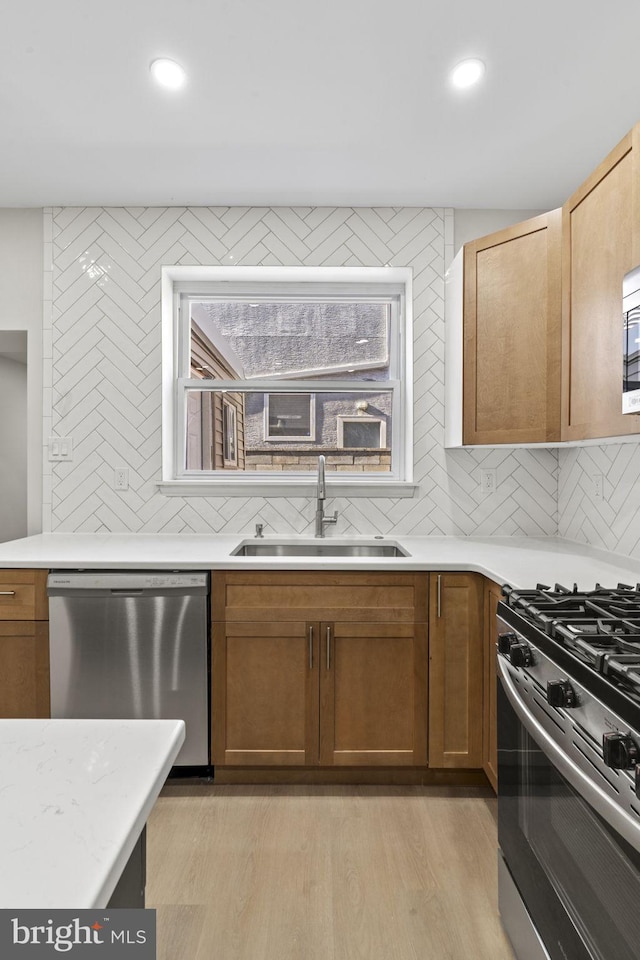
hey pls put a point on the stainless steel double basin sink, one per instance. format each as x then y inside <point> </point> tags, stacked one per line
<point>319,548</point>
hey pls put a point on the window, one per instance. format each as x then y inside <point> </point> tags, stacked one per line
<point>289,415</point>
<point>229,434</point>
<point>361,433</point>
<point>266,368</point>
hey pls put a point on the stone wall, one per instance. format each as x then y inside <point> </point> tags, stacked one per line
<point>342,461</point>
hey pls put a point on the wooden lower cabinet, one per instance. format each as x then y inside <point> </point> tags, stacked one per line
<point>24,644</point>
<point>24,669</point>
<point>373,694</point>
<point>23,595</point>
<point>265,693</point>
<point>456,626</point>
<point>293,686</point>
<point>376,683</point>
<point>493,594</point>
<point>297,693</point>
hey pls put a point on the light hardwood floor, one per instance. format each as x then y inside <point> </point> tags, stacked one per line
<point>324,873</point>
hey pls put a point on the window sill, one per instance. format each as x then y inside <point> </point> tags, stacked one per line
<point>286,488</point>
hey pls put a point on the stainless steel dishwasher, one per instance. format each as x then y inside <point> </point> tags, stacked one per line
<point>132,646</point>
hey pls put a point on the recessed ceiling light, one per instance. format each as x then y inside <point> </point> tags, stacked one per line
<point>466,73</point>
<point>168,73</point>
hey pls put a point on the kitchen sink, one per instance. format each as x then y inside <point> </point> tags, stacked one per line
<point>326,548</point>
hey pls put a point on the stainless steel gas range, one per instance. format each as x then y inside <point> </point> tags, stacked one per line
<point>569,772</point>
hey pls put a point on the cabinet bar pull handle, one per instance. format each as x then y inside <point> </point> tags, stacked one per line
<point>7,593</point>
<point>328,648</point>
<point>310,648</point>
<point>439,595</point>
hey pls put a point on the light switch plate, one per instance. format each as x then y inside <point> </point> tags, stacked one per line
<point>60,448</point>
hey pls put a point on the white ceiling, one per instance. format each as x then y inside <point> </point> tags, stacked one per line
<point>340,102</point>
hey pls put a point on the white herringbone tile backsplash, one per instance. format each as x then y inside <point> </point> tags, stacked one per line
<point>102,375</point>
<point>612,523</point>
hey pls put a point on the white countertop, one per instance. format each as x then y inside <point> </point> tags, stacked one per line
<point>74,798</point>
<point>521,561</point>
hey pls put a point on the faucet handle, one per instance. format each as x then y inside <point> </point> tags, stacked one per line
<point>259,529</point>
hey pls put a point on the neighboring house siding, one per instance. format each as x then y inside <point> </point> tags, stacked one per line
<point>205,420</point>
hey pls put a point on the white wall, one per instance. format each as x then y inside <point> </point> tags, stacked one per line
<point>21,307</point>
<point>471,224</point>
<point>106,376</point>
<point>612,522</point>
<point>13,448</point>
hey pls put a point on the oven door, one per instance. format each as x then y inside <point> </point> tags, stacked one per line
<point>563,844</point>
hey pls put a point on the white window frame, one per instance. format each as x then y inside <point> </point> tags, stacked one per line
<point>229,433</point>
<point>361,419</point>
<point>277,438</point>
<point>343,281</point>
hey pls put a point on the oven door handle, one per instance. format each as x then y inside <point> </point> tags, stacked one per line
<point>610,812</point>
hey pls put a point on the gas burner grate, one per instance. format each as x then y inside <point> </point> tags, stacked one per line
<point>601,626</point>
<point>625,668</point>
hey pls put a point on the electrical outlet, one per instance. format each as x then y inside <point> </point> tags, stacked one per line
<point>598,486</point>
<point>121,479</point>
<point>60,448</point>
<point>488,482</point>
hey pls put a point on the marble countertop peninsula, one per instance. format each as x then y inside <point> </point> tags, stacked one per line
<point>74,797</point>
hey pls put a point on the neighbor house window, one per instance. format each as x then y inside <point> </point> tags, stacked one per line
<point>267,373</point>
<point>361,433</point>
<point>229,434</point>
<point>289,416</point>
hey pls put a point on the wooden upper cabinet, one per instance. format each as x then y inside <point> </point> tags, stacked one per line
<point>512,334</point>
<point>601,242</point>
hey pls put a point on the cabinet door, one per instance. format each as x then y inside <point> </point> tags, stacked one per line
<point>24,669</point>
<point>512,334</point>
<point>599,232</point>
<point>373,694</point>
<point>264,696</point>
<point>455,669</point>
<point>493,595</point>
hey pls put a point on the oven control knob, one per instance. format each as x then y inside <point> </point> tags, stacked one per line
<point>620,750</point>
<point>560,693</point>
<point>506,641</point>
<point>520,655</point>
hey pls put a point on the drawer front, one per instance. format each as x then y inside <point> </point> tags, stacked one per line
<point>320,596</point>
<point>23,595</point>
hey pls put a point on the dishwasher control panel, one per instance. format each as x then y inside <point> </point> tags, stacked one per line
<point>123,580</point>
